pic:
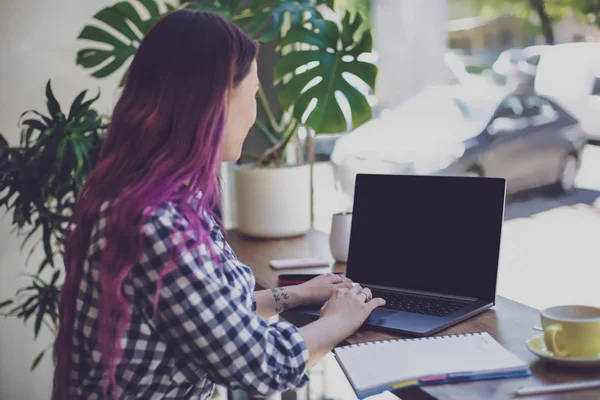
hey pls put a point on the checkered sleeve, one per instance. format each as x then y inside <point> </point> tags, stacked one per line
<point>208,320</point>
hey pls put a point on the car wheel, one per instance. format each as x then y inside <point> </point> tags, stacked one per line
<point>568,173</point>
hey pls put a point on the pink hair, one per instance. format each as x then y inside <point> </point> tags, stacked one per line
<point>163,144</point>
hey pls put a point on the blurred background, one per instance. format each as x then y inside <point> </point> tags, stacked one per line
<point>519,98</point>
<point>507,88</point>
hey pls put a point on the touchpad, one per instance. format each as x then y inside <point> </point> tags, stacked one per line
<point>379,314</point>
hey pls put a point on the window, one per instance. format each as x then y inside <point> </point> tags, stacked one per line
<point>490,40</point>
<point>509,117</point>
<point>511,108</point>
<point>540,111</point>
<point>463,43</point>
<point>506,38</point>
<point>533,60</point>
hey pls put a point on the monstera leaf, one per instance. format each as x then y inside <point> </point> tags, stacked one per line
<point>225,8</point>
<point>263,19</point>
<point>120,17</point>
<point>267,16</point>
<point>336,52</point>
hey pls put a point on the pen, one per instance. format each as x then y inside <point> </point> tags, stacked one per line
<point>473,376</point>
<point>557,388</point>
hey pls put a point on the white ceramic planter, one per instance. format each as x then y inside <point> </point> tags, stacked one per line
<point>273,202</point>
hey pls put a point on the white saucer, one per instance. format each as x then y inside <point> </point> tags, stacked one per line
<point>538,347</point>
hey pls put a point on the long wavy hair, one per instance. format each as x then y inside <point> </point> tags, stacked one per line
<point>163,144</point>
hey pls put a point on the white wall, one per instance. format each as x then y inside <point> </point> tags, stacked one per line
<point>37,42</point>
<point>410,38</point>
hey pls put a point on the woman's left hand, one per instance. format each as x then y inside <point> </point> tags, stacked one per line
<point>321,288</point>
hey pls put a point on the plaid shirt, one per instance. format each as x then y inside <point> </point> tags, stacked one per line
<point>205,330</point>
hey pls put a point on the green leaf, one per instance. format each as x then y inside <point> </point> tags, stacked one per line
<point>90,58</point>
<point>43,265</point>
<point>119,17</point>
<point>4,200</point>
<point>26,137</point>
<point>55,277</point>
<point>328,3</point>
<point>336,54</point>
<point>79,154</point>
<point>37,360</point>
<point>34,123</point>
<point>225,8</point>
<point>47,234</point>
<point>269,16</point>
<point>3,143</point>
<point>53,107</point>
<point>151,6</point>
<point>29,301</point>
<point>76,105</point>
<point>347,33</point>
<point>6,303</point>
<point>125,8</point>
<point>303,35</point>
<point>47,120</point>
<point>120,57</point>
<point>26,314</point>
<point>18,215</point>
<point>39,318</point>
<point>36,225</point>
<point>96,34</point>
<point>61,149</point>
<point>114,18</point>
<point>86,105</point>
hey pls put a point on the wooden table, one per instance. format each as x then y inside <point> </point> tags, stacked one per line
<point>509,322</point>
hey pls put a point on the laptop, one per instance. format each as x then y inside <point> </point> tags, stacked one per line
<point>429,245</point>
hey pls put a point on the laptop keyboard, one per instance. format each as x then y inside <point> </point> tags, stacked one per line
<point>418,304</point>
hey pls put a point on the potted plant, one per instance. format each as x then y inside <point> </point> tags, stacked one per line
<point>39,182</point>
<point>41,177</point>
<point>320,62</point>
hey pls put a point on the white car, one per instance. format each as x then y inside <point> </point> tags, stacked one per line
<point>472,130</point>
<point>406,139</point>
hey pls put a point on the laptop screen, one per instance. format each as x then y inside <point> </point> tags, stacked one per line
<point>435,234</point>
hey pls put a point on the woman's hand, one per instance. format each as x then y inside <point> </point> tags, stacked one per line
<point>350,308</point>
<point>320,288</point>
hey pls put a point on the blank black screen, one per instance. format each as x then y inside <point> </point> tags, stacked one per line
<point>430,233</point>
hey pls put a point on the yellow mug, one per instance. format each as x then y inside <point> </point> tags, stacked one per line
<point>572,331</point>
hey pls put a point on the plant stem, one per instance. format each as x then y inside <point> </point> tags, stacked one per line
<point>250,156</point>
<point>299,153</point>
<point>265,104</point>
<point>310,154</point>
<point>271,150</point>
<point>242,15</point>
<point>287,135</point>
<point>265,131</point>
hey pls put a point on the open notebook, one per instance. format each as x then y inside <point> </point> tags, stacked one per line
<point>387,365</point>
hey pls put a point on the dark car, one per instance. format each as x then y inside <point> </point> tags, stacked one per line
<point>478,130</point>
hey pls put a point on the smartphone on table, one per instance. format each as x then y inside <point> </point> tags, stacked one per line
<point>294,279</point>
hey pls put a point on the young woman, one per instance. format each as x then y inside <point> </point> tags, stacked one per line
<point>155,304</point>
